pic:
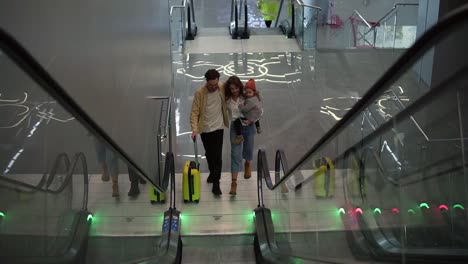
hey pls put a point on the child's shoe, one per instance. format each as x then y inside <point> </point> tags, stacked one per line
<point>259,130</point>
<point>239,139</point>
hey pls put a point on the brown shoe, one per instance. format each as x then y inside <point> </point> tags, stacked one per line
<point>239,139</point>
<point>105,177</point>
<point>247,171</point>
<point>115,187</point>
<point>233,190</point>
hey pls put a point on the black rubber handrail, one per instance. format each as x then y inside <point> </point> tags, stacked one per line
<point>440,30</point>
<point>79,157</point>
<point>236,17</point>
<point>169,175</point>
<point>24,60</point>
<point>44,180</point>
<point>79,161</point>
<point>264,172</point>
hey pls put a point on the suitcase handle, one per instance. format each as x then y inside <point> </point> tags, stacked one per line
<point>196,152</point>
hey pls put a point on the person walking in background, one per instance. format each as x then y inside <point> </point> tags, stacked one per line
<point>109,166</point>
<point>234,97</point>
<point>209,118</point>
<point>134,181</point>
<point>269,10</point>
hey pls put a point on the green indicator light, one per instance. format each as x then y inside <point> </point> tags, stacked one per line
<point>2,214</point>
<point>459,206</point>
<point>342,211</point>
<point>377,210</point>
<point>90,217</point>
<point>424,205</point>
<point>298,261</point>
<point>411,211</point>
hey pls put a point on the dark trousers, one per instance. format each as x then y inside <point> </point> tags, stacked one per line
<point>132,176</point>
<point>268,23</point>
<point>238,125</point>
<point>213,144</point>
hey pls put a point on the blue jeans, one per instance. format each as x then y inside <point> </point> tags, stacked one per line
<point>243,150</point>
<point>107,157</point>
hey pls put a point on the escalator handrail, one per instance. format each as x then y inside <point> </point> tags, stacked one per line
<point>44,180</point>
<point>24,60</point>
<point>79,157</point>
<point>264,172</point>
<point>235,15</point>
<point>412,54</point>
<point>169,174</point>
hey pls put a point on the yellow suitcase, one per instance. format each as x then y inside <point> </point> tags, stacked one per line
<point>156,197</point>
<point>324,178</point>
<point>191,179</point>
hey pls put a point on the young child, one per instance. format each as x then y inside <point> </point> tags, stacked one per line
<point>251,109</point>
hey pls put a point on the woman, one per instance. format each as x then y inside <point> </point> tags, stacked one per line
<point>234,96</point>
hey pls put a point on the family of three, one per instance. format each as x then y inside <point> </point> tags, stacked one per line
<point>230,105</point>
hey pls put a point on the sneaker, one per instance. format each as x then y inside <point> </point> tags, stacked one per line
<point>216,190</point>
<point>259,130</point>
<point>239,139</point>
<point>210,179</point>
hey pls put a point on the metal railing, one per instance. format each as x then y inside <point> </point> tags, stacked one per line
<point>183,27</point>
<point>306,27</point>
<point>355,30</point>
<point>178,27</point>
<point>163,130</point>
<point>373,28</point>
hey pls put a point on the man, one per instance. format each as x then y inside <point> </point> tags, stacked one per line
<point>209,118</point>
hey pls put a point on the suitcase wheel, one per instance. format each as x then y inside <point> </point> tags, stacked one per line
<point>197,201</point>
<point>185,201</point>
<point>152,201</point>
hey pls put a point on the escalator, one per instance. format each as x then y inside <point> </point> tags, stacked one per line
<point>395,185</point>
<point>357,196</point>
<point>44,216</point>
<point>238,25</point>
<point>32,231</point>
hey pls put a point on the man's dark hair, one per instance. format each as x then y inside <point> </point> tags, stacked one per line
<point>212,74</point>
